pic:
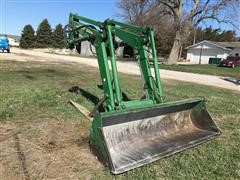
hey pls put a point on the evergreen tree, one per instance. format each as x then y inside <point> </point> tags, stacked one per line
<point>27,38</point>
<point>58,37</point>
<point>44,35</point>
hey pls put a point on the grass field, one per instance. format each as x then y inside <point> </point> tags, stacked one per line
<point>210,69</point>
<point>51,133</point>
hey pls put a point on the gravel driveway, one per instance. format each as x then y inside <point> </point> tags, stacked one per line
<point>124,67</point>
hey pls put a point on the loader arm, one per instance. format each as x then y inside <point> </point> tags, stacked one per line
<point>102,37</point>
<point>129,134</point>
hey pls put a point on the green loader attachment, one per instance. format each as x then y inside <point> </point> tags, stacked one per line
<point>129,134</point>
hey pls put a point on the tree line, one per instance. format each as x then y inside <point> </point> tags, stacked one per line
<point>177,22</point>
<point>44,37</point>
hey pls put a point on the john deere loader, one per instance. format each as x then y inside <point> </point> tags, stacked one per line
<point>129,134</point>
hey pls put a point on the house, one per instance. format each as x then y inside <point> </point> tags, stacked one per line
<point>13,42</point>
<point>202,51</point>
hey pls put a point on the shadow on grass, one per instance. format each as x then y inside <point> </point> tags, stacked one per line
<point>94,99</point>
<point>124,95</point>
<point>232,80</point>
<point>89,96</point>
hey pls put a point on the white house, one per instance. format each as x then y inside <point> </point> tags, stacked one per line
<point>13,42</point>
<point>202,51</point>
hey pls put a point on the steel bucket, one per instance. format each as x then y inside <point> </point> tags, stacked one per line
<point>140,136</point>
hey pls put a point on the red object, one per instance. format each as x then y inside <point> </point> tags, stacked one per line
<point>231,61</point>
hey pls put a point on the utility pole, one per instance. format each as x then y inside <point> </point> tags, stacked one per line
<point>200,57</point>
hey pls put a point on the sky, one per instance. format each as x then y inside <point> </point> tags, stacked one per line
<point>15,14</point>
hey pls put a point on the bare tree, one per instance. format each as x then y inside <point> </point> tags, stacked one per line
<point>134,11</point>
<point>149,13</point>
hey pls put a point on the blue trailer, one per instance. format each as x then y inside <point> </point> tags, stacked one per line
<point>4,44</point>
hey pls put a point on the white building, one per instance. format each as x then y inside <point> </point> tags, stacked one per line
<point>202,51</point>
<point>86,49</point>
<point>13,42</point>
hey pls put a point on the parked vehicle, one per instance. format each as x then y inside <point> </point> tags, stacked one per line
<point>4,44</point>
<point>231,61</point>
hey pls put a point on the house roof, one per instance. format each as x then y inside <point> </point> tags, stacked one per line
<point>223,45</point>
<point>229,44</point>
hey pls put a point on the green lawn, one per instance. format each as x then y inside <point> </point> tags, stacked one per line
<point>204,69</point>
<point>35,95</point>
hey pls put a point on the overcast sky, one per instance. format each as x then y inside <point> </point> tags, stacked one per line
<point>15,14</point>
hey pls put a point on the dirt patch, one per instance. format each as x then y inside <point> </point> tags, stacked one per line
<point>46,149</point>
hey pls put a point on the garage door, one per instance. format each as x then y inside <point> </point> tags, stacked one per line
<point>206,54</point>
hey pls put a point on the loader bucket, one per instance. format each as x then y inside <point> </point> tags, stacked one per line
<point>132,138</point>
